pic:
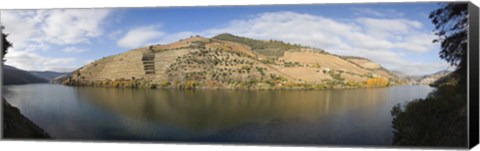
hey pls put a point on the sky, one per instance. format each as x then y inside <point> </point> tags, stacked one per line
<point>396,35</point>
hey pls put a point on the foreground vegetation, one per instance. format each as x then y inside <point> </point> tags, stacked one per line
<point>15,124</point>
<point>441,118</point>
<point>438,120</point>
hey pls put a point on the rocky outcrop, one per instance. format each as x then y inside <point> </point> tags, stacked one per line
<point>15,125</point>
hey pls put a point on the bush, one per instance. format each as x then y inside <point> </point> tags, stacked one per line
<point>190,84</point>
<point>320,86</point>
<point>264,86</point>
<point>165,83</point>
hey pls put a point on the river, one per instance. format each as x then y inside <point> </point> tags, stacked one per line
<point>304,117</point>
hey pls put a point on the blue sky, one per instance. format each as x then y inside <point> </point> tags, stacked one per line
<point>396,35</point>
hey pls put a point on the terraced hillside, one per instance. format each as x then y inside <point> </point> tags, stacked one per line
<point>232,62</point>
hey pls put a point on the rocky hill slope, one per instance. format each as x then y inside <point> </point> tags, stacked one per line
<point>232,62</point>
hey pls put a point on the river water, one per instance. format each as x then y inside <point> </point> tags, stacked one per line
<point>304,117</point>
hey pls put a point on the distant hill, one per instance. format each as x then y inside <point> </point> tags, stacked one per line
<point>431,78</point>
<point>59,79</point>
<point>407,79</point>
<point>422,80</point>
<point>49,75</point>
<point>231,62</point>
<point>12,75</point>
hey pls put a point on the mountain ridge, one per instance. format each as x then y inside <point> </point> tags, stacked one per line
<point>426,79</point>
<point>49,75</point>
<point>12,75</point>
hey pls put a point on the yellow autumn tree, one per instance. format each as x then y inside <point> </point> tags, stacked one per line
<point>377,82</point>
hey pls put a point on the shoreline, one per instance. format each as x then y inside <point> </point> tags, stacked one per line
<point>239,89</point>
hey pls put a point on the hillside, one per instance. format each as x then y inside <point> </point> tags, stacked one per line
<point>49,75</point>
<point>422,80</point>
<point>431,78</point>
<point>12,75</point>
<point>59,79</point>
<point>232,62</point>
<point>407,79</point>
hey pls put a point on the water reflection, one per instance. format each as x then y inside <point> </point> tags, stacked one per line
<point>199,110</point>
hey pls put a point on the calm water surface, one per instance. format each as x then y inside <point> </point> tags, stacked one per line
<point>334,117</point>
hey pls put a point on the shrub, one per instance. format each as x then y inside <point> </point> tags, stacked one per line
<point>316,65</point>
<point>165,83</point>
<point>320,86</point>
<point>190,84</point>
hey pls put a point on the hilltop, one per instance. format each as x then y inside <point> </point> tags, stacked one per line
<point>231,62</point>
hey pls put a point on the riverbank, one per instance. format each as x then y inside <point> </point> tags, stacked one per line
<point>233,85</point>
<point>16,125</point>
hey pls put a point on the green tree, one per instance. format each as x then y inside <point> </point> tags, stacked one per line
<point>5,43</point>
<point>451,27</point>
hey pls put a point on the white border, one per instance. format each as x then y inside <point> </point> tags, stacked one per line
<point>33,4</point>
<point>81,146</point>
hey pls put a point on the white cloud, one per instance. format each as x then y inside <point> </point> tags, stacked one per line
<point>56,26</point>
<point>386,41</point>
<point>32,31</point>
<point>73,26</point>
<point>21,27</point>
<point>421,42</point>
<point>31,61</point>
<point>140,36</point>
<point>74,50</point>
